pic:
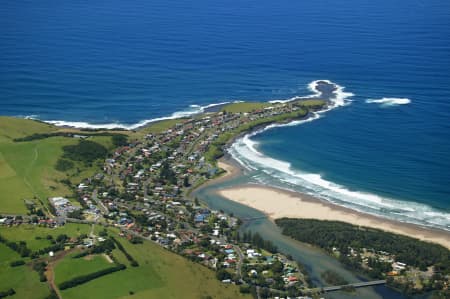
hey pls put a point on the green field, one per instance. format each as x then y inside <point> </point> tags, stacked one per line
<point>69,267</point>
<point>312,103</point>
<point>22,279</point>
<point>158,127</point>
<point>245,107</point>
<point>29,233</point>
<point>161,274</point>
<point>27,168</point>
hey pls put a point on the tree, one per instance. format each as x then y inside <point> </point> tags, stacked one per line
<point>222,274</point>
<point>186,181</point>
<point>119,140</point>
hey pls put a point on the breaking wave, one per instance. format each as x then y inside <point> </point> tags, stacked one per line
<point>339,97</point>
<point>270,171</point>
<point>387,102</point>
<point>192,110</point>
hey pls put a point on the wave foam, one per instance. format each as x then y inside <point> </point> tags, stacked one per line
<point>281,173</point>
<point>193,110</point>
<point>386,102</point>
<point>339,96</point>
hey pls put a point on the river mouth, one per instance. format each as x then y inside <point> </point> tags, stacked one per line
<point>315,260</point>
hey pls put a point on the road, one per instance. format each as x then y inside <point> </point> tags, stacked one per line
<point>355,285</point>
<point>100,204</point>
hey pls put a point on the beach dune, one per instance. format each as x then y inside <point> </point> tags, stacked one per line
<point>277,203</point>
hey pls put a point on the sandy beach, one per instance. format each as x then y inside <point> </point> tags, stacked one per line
<point>277,203</point>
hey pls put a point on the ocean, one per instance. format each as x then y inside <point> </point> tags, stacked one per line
<point>384,148</point>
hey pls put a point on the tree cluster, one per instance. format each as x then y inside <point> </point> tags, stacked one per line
<point>85,151</point>
<point>329,234</point>
<point>258,241</point>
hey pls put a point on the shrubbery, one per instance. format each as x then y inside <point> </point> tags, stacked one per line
<point>64,165</point>
<point>39,267</point>
<point>7,293</point>
<point>119,140</point>
<point>20,247</point>
<point>333,278</point>
<point>85,151</point>
<point>17,263</point>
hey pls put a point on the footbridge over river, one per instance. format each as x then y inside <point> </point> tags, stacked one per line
<point>354,285</point>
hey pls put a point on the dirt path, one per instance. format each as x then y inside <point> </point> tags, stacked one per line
<point>108,258</point>
<point>25,177</point>
<point>50,272</point>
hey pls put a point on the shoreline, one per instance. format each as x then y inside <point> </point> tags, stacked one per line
<point>278,203</point>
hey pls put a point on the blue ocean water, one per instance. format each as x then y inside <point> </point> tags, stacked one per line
<point>123,62</point>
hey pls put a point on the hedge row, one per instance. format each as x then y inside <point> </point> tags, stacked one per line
<point>17,263</point>
<point>85,278</point>
<point>20,247</point>
<point>7,293</point>
<point>81,254</point>
<point>132,261</point>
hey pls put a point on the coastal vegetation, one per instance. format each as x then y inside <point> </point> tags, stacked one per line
<point>315,104</point>
<point>243,107</point>
<point>377,253</point>
<point>333,278</point>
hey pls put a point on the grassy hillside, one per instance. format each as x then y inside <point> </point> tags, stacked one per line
<point>160,274</point>
<point>245,107</point>
<point>11,127</point>
<point>72,267</point>
<point>27,168</point>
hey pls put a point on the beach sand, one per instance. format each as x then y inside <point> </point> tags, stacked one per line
<point>278,203</point>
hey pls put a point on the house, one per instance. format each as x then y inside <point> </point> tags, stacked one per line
<point>200,218</point>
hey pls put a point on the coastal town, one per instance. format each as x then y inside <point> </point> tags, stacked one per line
<point>144,191</point>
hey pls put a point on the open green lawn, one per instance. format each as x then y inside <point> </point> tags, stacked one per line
<point>31,172</point>
<point>7,255</point>
<point>22,279</point>
<point>11,127</point>
<point>69,267</point>
<point>245,107</point>
<point>27,168</point>
<point>157,127</point>
<point>28,233</point>
<point>161,274</point>
<point>311,103</point>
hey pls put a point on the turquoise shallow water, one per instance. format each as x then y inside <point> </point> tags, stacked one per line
<point>122,63</point>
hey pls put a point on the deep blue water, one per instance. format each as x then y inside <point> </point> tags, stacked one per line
<point>102,62</point>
